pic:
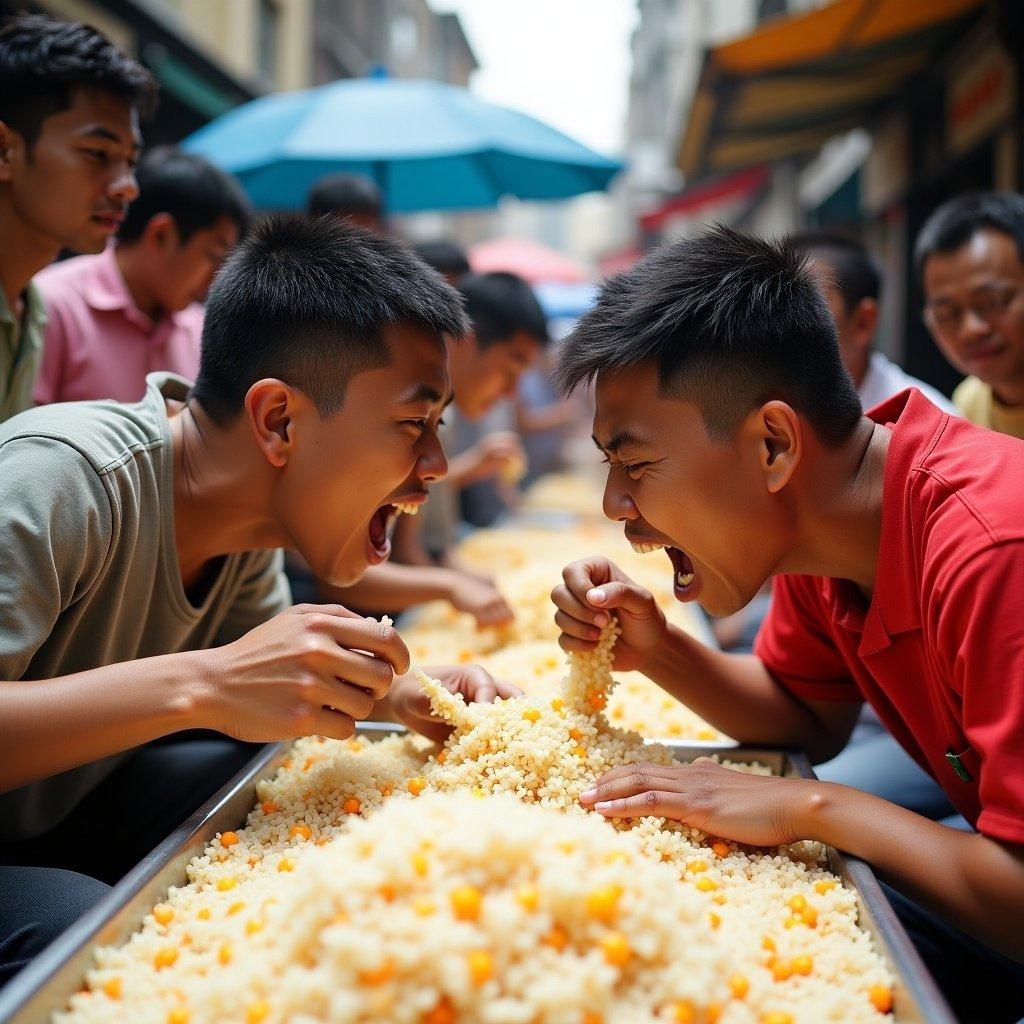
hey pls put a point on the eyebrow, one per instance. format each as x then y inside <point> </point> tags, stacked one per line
<point>425,393</point>
<point>99,132</point>
<point>623,439</point>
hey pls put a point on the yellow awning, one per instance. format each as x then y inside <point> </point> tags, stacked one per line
<point>800,79</point>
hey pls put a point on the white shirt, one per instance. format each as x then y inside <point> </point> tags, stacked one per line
<point>885,379</point>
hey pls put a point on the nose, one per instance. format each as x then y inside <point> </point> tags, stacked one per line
<point>432,464</point>
<point>974,326</point>
<point>618,505</point>
<point>124,187</point>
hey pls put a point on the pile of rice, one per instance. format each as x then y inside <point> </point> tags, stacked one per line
<point>398,881</point>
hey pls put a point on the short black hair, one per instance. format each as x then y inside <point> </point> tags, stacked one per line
<point>731,321</point>
<point>444,256</point>
<point>194,192</point>
<point>854,272</point>
<point>306,300</point>
<point>500,305</point>
<point>42,62</point>
<point>342,194</point>
<point>957,221</point>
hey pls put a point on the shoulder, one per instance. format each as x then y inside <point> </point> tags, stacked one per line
<point>104,434</point>
<point>966,494</point>
<point>68,278</point>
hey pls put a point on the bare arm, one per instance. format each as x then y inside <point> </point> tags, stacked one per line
<point>314,669</point>
<point>739,696</point>
<point>970,879</point>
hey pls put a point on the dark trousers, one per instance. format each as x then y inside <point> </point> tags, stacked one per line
<point>981,985</point>
<point>48,882</point>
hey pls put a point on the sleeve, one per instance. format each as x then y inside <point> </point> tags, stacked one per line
<point>263,593</point>
<point>49,383</point>
<point>795,645</point>
<point>56,523</point>
<point>980,637</point>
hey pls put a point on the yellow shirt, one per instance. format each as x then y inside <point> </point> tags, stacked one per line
<point>976,401</point>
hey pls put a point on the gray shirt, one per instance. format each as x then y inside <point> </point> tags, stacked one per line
<point>89,571</point>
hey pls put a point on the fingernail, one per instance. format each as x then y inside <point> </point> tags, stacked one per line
<point>601,620</point>
<point>596,596</point>
<point>588,794</point>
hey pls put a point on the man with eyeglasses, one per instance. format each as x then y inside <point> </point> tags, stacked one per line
<point>970,258</point>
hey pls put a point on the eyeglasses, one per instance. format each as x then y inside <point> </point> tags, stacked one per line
<point>990,306</point>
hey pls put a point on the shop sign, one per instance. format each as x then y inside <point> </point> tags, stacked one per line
<point>979,98</point>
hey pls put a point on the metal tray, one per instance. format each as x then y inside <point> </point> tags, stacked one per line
<point>46,984</point>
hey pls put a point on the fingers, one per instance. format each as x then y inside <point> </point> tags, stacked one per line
<point>337,610</point>
<point>565,600</point>
<point>507,690</point>
<point>627,597</point>
<point>354,635</point>
<point>575,628</point>
<point>333,724</point>
<point>628,781</point>
<point>650,803</point>
<point>341,696</point>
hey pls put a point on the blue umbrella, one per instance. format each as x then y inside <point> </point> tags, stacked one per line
<point>428,145</point>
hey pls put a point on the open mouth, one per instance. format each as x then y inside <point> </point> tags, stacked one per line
<point>684,576</point>
<point>642,547</point>
<point>407,508</point>
<point>378,543</point>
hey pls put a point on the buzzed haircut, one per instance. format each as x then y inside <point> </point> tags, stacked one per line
<point>501,305</point>
<point>957,221</point>
<point>344,194</point>
<point>43,61</point>
<point>194,192</point>
<point>306,300</point>
<point>731,321</point>
<point>851,267</point>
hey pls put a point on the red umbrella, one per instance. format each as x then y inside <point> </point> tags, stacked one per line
<point>532,261</point>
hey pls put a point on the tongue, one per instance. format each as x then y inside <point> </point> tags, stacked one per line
<point>378,529</point>
<point>680,562</point>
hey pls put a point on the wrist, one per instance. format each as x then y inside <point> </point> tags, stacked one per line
<point>197,701</point>
<point>811,809</point>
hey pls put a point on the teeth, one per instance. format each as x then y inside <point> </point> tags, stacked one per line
<point>646,549</point>
<point>408,509</point>
<point>684,579</point>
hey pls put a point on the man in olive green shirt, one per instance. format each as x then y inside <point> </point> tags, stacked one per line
<point>69,140</point>
<point>970,258</point>
<point>141,593</point>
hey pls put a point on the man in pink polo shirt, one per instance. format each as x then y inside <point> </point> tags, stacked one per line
<point>135,308</point>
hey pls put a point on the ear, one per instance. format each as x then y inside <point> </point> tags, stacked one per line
<point>10,140</point>
<point>781,435</point>
<point>864,321</point>
<point>270,407</point>
<point>161,232</point>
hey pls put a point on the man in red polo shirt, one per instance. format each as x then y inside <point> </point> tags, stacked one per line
<point>736,441</point>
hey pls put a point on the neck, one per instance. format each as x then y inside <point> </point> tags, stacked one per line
<point>222,498</point>
<point>1009,394</point>
<point>131,263</point>
<point>839,519</point>
<point>24,252</point>
<point>860,371</point>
